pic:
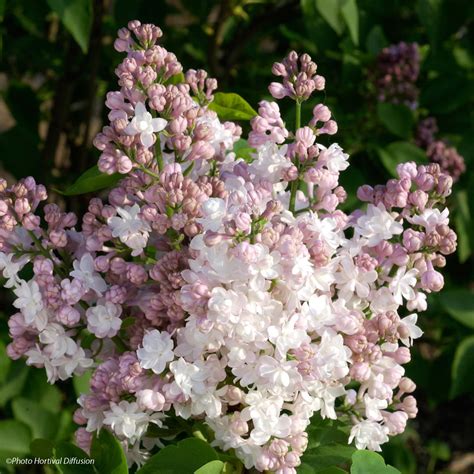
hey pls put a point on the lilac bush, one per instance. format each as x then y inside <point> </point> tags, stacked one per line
<point>224,284</point>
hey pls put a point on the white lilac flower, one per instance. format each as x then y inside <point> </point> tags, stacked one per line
<point>288,336</point>
<point>145,125</point>
<point>156,352</point>
<point>377,225</point>
<point>373,407</point>
<point>325,229</point>
<point>75,363</point>
<point>402,284</point>
<point>103,320</point>
<point>37,358</point>
<point>127,420</point>
<point>319,312</point>
<point>213,210</point>
<point>414,332</point>
<point>368,435</point>
<point>276,374</point>
<point>351,279</point>
<point>270,162</point>
<point>321,397</point>
<point>56,342</point>
<point>29,300</point>
<point>10,268</point>
<point>332,357</point>
<point>222,136</point>
<point>188,377</point>
<point>85,272</point>
<point>334,158</point>
<point>225,305</point>
<point>130,228</point>
<point>431,218</point>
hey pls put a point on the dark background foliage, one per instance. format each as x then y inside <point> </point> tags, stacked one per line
<point>57,63</point>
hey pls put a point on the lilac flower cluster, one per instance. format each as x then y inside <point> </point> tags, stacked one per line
<point>395,74</point>
<point>212,288</point>
<point>439,151</point>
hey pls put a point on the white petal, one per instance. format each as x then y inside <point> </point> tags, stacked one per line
<point>158,124</point>
<point>131,129</point>
<point>147,139</point>
<point>140,110</point>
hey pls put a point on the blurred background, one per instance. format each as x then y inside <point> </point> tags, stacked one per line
<point>400,82</point>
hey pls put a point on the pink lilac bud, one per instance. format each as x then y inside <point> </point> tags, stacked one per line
<point>408,405</point>
<point>365,193</point>
<point>432,280</point>
<point>395,422</point>
<point>419,199</point>
<point>150,400</point>
<point>68,315</point>
<point>407,385</point>
<point>413,240</point>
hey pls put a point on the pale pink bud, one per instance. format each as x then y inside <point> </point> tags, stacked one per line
<point>419,199</point>
<point>365,193</point>
<point>407,385</point>
<point>277,90</point>
<point>321,113</point>
<point>150,400</point>
<point>279,447</point>
<point>68,315</point>
<point>432,280</point>
<point>395,422</point>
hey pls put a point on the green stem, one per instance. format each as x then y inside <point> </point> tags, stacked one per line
<point>293,189</point>
<point>148,172</point>
<point>298,115</point>
<point>295,184</point>
<point>188,170</point>
<point>158,154</point>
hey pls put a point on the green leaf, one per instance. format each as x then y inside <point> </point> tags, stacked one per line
<point>41,392</point>
<point>230,106</point>
<point>108,454</point>
<point>376,40</point>
<point>92,180</point>
<point>81,382</point>
<point>15,439</point>
<point>184,458</point>
<point>213,467</point>
<point>176,79</point>
<point>5,362</point>
<point>43,423</point>
<point>68,450</point>
<point>429,13</point>
<point>2,9</point>
<point>330,10</point>
<point>463,368</point>
<point>42,448</point>
<point>330,455</point>
<point>76,15</point>
<point>243,150</point>
<point>446,93</point>
<point>15,381</point>
<point>307,469</point>
<point>459,304</point>
<point>400,152</point>
<point>397,118</point>
<point>350,14</point>
<point>368,462</point>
